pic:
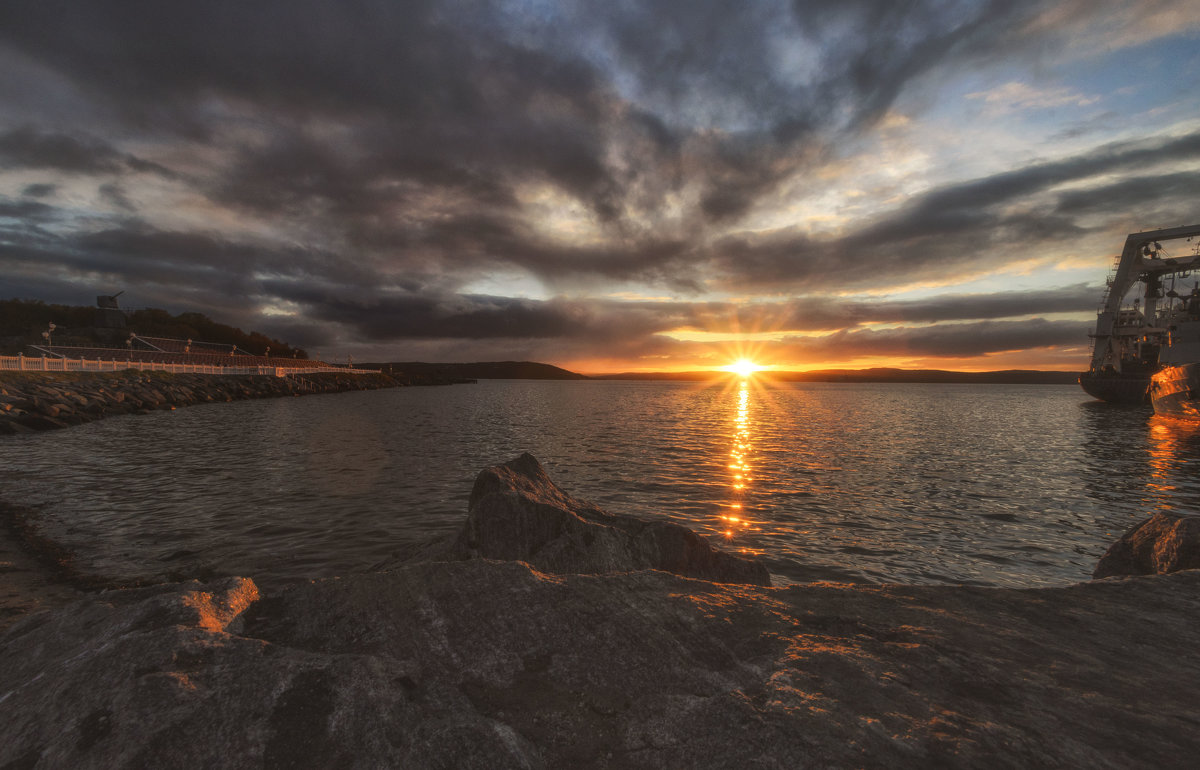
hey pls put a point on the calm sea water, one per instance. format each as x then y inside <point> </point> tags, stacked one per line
<point>988,485</point>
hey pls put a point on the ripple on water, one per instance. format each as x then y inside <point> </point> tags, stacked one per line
<point>990,485</point>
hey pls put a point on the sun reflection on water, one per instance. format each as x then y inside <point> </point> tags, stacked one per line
<point>734,519</point>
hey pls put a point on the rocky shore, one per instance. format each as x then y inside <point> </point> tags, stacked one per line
<point>32,401</point>
<point>548,633</point>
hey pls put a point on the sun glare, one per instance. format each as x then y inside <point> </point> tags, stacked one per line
<point>743,367</point>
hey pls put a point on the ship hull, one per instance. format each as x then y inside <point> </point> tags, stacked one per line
<point>1116,388</point>
<point>1175,392</point>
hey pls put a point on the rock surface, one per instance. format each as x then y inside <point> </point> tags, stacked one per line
<point>32,401</point>
<point>1160,544</point>
<point>491,665</point>
<point>516,513</point>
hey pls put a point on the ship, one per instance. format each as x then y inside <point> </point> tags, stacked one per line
<point>1175,388</point>
<point>1141,303</point>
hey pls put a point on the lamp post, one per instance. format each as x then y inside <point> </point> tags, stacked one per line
<point>47,335</point>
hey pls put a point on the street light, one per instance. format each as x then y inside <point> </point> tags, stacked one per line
<point>46,335</point>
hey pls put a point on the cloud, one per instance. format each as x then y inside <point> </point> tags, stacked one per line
<point>617,105</point>
<point>1014,96</point>
<point>1007,215</point>
<point>115,195</point>
<point>377,157</point>
<point>942,341</point>
<point>25,210</point>
<point>28,147</point>
<point>39,190</point>
<point>1139,193</point>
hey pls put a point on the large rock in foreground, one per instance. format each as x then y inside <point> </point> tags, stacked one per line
<point>516,513</point>
<point>492,665</point>
<point>1162,543</point>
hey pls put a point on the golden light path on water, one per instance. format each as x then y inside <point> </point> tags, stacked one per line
<point>1170,439</point>
<point>737,519</point>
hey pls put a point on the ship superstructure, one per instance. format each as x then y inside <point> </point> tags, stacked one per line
<point>1146,293</point>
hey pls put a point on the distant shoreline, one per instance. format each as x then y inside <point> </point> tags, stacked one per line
<point>927,376</point>
<point>532,370</point>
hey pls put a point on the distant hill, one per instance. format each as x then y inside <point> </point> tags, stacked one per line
<point>688,376</point>
<point>1008,376</point>
<point>483,370</point>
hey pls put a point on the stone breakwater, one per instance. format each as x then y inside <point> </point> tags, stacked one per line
<point>32,401</point>
<point>458,659</point>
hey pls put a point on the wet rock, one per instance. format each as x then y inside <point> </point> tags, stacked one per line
<point>516,513</point>
<point>8,427</point>
<point>75,398</point>
<point>40,422</point>
<point>1163,543</point>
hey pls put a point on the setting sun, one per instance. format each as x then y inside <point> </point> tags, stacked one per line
<point>743,367</point>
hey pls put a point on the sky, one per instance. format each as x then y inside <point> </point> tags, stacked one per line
<point>605,186</point>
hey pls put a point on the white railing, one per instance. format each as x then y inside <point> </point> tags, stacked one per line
<point>21,363</point>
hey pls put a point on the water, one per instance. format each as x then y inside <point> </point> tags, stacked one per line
<point>988,485</point>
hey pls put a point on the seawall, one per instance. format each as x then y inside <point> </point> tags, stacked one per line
<point>32,401</point>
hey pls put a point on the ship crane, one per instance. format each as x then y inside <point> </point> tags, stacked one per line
<point>1126,343</point>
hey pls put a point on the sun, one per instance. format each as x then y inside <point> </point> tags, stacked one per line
<point>743,367</point>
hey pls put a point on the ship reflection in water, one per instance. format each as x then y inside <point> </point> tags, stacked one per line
<point>1174,445</point>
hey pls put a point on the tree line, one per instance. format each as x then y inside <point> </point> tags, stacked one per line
<point>23,321</point>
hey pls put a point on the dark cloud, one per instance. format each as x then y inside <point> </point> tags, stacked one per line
<point>28,147</point>
<point>24,209</point>
<point>466,317</point>
<point>115,194</point>
<point>817,314</point>
<point>941,341</point>
<point>39,190</point>
<point>1135,194</point>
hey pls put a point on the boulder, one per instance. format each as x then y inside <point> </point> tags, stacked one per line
<point>1160,544</point>
<point>516,513</point>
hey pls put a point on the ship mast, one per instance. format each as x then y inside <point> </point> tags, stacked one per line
<point>1137,264</point>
